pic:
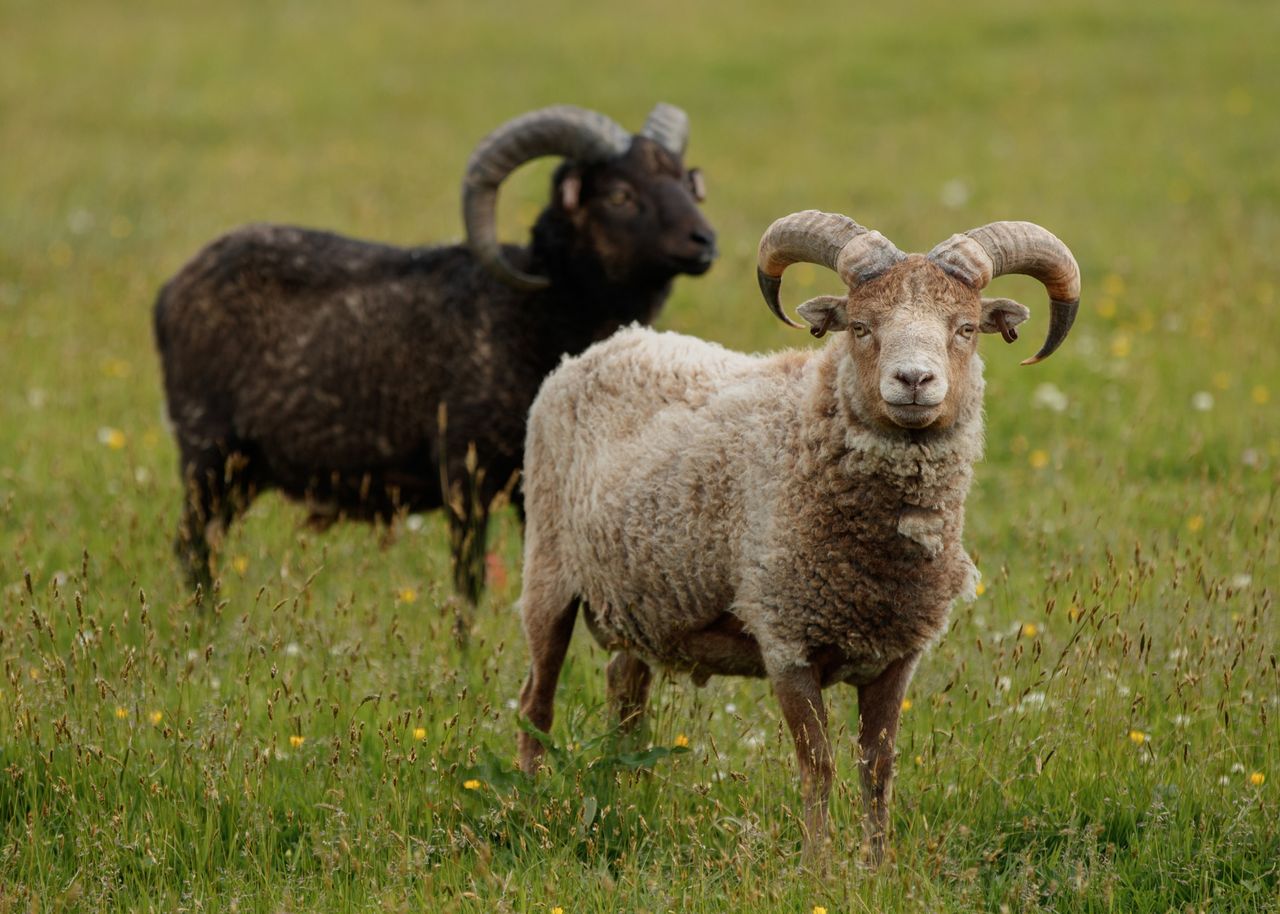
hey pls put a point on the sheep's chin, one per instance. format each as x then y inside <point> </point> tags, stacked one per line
<point>912,415</point>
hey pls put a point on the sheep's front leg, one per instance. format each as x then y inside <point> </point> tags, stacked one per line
<point>879,707</point>
<point>799,693</point>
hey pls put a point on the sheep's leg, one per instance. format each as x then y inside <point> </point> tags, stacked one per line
<point>628,677</point>
<point>218,488</point>
<point>548,632</point>
<point>879,707</point>
<point>191,545</point>
<point>799,693</point>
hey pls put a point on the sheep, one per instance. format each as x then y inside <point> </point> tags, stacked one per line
<point>795,516</point>
<point>367,379</point>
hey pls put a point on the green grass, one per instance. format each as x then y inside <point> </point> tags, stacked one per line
<point>1083,739</point>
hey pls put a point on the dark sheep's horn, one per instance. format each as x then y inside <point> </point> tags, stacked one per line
<point>830,240</point>
<point>1000,248</point>
<point>668,126</point>
<point>562,130</point>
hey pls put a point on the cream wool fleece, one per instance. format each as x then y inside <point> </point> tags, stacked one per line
<point>669,481</point>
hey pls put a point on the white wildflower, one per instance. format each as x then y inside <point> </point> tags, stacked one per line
<point>955,193</point>
<point>1049,396</point>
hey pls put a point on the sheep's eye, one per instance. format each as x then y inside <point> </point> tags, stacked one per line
<point>619,196</point>
<point>967,331</point>
<point>859,329</point>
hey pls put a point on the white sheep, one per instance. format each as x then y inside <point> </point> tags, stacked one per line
<point>796,516</point>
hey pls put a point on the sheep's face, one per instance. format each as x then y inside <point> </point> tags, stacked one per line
<point>639,214</point>
<point>910,343</point>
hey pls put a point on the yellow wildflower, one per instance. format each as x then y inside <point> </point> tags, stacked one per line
<point>121,713</point>
<point>1195,523</point>
<point>1259,394</point>
<point>241,564</point>
<point>819,909</point>
<point>112,438</point>
<point>682,741</point>
<point>407,595</point>
<point>1221,380</point>
<point>1039,459</point>
<point>1074,612</point>
<point>1257,778</point>
<point>980,588</point>
<point>471,784</point>
<point>419,733</point>
<point>1030,630</point>
<point>1137,737</point>
<point>906,704</point>
<point>116,368</point>
<point>557,910</point>
<point>296,741</point>
<point>155,717</point>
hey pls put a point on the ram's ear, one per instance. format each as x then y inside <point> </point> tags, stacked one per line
<point>1001,315</point>
<point>825,313</point>
<point>570,190</point>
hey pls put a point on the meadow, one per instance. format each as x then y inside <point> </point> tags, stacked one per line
<point>1098,731</point>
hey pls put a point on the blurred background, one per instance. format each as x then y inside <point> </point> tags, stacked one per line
<point>1133,474</point>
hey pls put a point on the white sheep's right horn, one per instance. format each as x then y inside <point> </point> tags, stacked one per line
<point>1000,248</point>
<point>561,130</point>
<point>830,240</point>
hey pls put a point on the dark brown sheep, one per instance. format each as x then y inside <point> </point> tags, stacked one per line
<point>367,379</point>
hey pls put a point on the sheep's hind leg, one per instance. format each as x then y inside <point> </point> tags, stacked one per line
<point>629,677</point>
<point>799,693</point>
<point>548,626</point>
<point>879,708</point>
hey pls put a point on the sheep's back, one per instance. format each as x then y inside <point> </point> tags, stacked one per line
<point>325,351</point>
<point>632,478</point>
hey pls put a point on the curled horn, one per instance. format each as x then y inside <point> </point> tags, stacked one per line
<point>668,126</point>
<point>980,255</point>
<point>836,242</point>
<point>562,130</point>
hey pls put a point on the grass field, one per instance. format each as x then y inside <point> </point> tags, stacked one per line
<point>1099,731</point>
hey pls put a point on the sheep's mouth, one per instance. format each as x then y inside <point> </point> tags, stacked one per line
<point>696,264</point>
<point>912,415</point>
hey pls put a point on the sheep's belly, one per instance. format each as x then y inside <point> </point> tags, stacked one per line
<point>722,648</point>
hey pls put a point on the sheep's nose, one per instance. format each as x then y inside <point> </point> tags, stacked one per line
<point>915,378</point>
<point>705,239</point>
